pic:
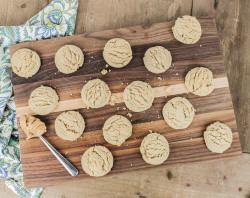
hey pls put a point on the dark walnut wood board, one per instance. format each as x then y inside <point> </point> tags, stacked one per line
<point>41,168</point>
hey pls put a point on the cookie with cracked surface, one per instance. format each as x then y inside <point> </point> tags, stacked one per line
<point>43,100</point>
<point>25,63</point>
<point>117,129</point>
<point>69,125</point>
<point>97,161</point>
<point>187,30</point>
<point>157,59</point>
<point>117,52</point>
<point>178,113</point>
<point>218,137</point>
<point>138,96</point>
<point>69,59</point>
<point>96,93</point>
<point>199,81</point>
<point>154,149</point>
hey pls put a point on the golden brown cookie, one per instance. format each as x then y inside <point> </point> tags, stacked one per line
<point>199,81</point>
<point>178,113</point>
<point>25,63</point>
<point>43,100</point>
<point>187,30</point>
<point>96,93</point>
<point>218,137</point>
<point>117,129</point>
<point>117,52</point>
<point>157,59</point>
<point>69,125</point>
<point>154,149</point>
<point>97,161</point>
<point>138,96</point>
<point>69,58</point>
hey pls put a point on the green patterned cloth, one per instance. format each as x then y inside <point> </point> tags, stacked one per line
<point>56,19</point>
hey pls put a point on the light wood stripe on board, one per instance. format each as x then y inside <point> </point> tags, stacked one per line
<point>158,92</point>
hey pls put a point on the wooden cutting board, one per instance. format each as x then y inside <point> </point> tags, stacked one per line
<point>41,168</point>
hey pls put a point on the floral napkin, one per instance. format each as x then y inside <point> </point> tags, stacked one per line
<point>56,19</point>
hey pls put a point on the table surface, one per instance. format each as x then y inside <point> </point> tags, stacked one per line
<point>230,177</point>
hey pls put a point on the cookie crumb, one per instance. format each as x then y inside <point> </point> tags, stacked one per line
<point>104,72</point>
<point>159,78</point>
<point>71,94</point>
<point>131,164</point>
<point>150,131</point>
<point>176,74</point>
<point>200,45</point>
<point>106,65</point>
<point>129,115</point>
<point>109,70</point>
<point>124,108</point>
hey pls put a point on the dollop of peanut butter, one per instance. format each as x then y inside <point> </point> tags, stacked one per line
<point>32,127</point>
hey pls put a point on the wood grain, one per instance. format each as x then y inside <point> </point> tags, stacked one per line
<point>231,21</point>
<point>67,102</point>
<point>186,145</point>
<point>12,10</point>
<point>234,28</point>
<point>230,177</point>
<point>207,179</point>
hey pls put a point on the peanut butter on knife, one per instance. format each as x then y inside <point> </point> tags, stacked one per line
<point>32,127</point>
